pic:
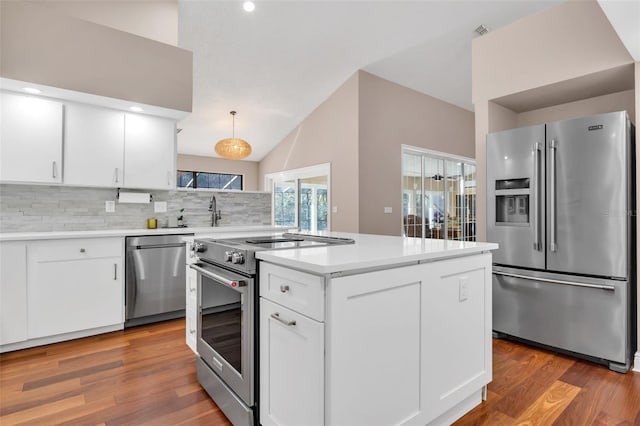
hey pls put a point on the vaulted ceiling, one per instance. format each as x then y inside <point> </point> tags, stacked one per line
<point>276,64</point>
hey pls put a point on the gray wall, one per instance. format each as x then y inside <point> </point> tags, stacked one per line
<point>35,208</point>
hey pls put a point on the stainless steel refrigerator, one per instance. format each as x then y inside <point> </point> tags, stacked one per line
<point>561,205</point>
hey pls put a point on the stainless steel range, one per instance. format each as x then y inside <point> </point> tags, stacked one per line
<point>227,319</point>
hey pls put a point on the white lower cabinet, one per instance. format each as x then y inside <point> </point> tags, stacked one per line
<point>292,366</point>
<point>404,346</point>
<point>74,285</point>
<point>13,292</point>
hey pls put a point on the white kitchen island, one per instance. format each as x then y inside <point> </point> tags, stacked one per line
<point>386,331</point>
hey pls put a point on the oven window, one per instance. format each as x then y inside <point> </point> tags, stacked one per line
<point>222,321</point>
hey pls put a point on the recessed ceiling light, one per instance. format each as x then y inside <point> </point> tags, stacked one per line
<point>32,90</point>
<point>136,109</point>
<point>248,6</point>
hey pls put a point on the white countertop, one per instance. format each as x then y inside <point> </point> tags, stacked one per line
<point>23,236</point>
<point>370,252</point>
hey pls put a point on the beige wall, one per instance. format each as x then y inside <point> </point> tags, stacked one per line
<point>360,130</point>
<point>392,115</point>
<point>572,39</point>
<point>328,135</point>
<point>598,105</point>
<point>249,169</point>
<point>154,19</point>
<point>40,45</point>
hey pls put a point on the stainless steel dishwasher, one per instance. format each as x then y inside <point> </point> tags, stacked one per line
<point>155,278</point>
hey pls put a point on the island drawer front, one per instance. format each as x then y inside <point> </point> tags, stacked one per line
<point>77,249</point>
<point>298,291</point>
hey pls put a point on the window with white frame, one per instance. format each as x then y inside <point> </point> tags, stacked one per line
<point>300,197</point>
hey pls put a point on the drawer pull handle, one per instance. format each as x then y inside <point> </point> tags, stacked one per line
<point>82,250</point>
<point>284,288</point>
<point>276,316</point>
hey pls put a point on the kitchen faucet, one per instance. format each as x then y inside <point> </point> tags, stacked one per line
<point>215,213</point>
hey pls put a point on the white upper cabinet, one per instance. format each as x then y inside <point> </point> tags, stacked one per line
<point>149,152</point>
<point>30,139</point>
<point>94,146</point>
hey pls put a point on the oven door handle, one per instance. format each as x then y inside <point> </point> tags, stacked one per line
<point>234,284</point>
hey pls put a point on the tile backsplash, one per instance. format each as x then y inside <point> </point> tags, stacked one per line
<point>36,208</point>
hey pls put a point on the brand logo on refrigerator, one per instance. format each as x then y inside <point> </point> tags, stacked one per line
<point>596,127</point>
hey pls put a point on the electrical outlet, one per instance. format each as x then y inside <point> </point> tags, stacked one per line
<point>463,289</point>
<point>388,210</point>
<point>159,206</point>
<point>110,206</point>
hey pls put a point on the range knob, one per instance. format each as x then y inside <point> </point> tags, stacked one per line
<point>237,258</point>
<point>199,247</point>
<point>228,255</point>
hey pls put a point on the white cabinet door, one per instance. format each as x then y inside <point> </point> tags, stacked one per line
<point>149,152</point>
<point>94,146</point>
<point>291,367</point>
<point>30,139</point>
<point>13,292</point>
<point>74,285</point>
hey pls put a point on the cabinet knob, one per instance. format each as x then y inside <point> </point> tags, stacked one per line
<point>82,250</point>
<point>284,288</point>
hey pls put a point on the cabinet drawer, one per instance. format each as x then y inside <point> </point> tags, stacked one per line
<point>76,249</point>
<point>298,291</point>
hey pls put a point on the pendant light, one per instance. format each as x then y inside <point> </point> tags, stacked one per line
<point>233,148</point>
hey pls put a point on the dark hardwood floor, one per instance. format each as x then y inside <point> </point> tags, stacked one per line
<point>146,376</point>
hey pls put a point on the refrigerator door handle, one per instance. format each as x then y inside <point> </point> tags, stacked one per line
<point>552,189</point>
<point>547,280</point>
<point>537,149</point>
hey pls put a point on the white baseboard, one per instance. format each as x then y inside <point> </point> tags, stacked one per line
<point>61,338</point>
<point>636,362</point>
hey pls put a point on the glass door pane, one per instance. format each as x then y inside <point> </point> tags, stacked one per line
<point>284,203</point>
<point>313,203</point>
<point>454,187</point>
<point>434,200</point>
<point>412,195</point>
<point>469,207</point>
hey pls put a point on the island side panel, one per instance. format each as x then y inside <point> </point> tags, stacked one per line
<point>373,348</point>
<point>408,345</point>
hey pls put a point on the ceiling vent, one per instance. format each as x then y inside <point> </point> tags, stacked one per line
<point>482,30</point>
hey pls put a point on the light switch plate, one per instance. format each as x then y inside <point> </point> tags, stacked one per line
<point>388,210</point>
<point>159,206</point>
<point>110,206</point>
<point>334,209</point>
